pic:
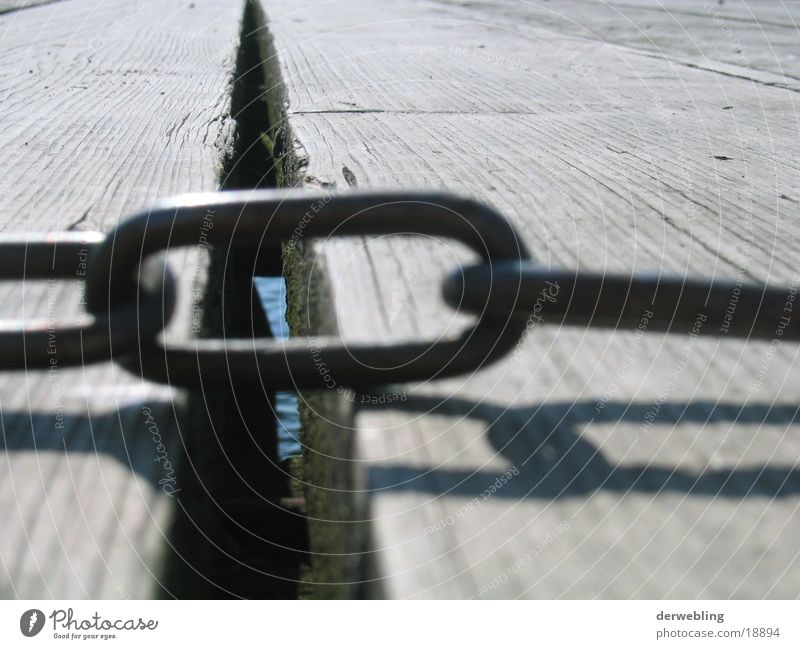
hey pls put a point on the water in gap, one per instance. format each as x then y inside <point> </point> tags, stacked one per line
<point>272,291</point>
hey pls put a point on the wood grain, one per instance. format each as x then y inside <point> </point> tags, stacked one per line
<point>7,6</point>
<point>105,107</point>
<point>613,145</point>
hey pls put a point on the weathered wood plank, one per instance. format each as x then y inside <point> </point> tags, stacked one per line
<point>7,6</point>
<point>744,35</point>
<point>104,108</point>
<point>641,466</point>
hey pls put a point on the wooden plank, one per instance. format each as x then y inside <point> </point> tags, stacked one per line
<point>629,465</point>
<point>737,36</point>
<point>7,6</point>
<point>104,109</point>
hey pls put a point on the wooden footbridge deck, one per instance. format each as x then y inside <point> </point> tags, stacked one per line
<point>105,107</point>
<point>616,136</point>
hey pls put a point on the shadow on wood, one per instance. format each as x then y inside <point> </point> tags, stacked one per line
<point>136,436</point>
<point>554,461</point>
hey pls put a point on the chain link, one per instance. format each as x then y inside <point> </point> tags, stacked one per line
<point>85,338</point>
<point>131,293</point>
<point>674,304</point>
<point>255,219</point>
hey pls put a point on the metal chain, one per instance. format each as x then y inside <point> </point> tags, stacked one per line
<point>253,219</point>
<point>530,292</point>
<point>87,338</point>
<point>131,293</point>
